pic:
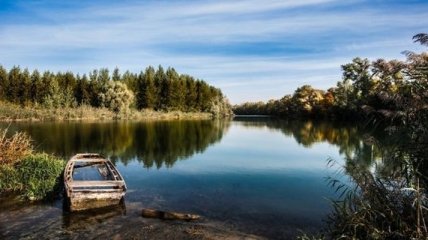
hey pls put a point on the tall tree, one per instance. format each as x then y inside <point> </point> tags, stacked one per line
<point>161,87</point>
<point>12,92</point>
<point>171,87</point>
<point>103,78</point>
<point>116,75</point>
<point>36,87</point>
<point>191,94</point>
<point>358,73</point>
<point>146,91</point>
<point>4,83</point>
<point>82,91</point>
<point>94,89</point>
<point>130,79</point>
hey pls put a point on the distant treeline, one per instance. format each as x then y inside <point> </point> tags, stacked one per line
<point>381,86</point>
<point>150,89</point>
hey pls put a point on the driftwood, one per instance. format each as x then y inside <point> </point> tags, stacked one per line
<point>153,213</point>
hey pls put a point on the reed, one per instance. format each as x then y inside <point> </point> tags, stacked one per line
<point>14,148</point>
<point>372,207</point>
<point>13,112</point>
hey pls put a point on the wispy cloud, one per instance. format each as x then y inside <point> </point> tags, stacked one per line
<point>253,50</point>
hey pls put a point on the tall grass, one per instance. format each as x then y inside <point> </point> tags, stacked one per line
<point>35,176</point>
<point>14,112</point>
<point>13,149</point>
<point>377,208</point>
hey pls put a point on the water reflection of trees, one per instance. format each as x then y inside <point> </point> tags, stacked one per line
<point>350,138</point>
<point>159,143</point>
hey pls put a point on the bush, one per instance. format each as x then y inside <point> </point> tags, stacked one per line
<point>117,98</point>
<point>15,148</point>
<point>35,176</point>
<point>9,180</point>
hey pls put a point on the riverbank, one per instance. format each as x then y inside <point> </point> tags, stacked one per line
<point>12,113</point>
<point>22,220</point>
<point>32,175</point>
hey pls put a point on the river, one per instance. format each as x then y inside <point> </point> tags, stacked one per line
<point>260,176</point>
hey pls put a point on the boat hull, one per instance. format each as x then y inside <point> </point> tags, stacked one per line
<point>83,191</point>
<point>88,200</point>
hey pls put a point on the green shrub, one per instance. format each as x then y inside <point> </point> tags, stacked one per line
<point>35,177</point>
<point>9,180</point>
<point>117,98</point>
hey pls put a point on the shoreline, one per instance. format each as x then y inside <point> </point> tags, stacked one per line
<point>15,113</point>
<point>81,224</point>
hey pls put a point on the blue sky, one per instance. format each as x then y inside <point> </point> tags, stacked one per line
<point>253,50</point>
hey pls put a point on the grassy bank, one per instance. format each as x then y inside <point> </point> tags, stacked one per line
<point>14,112</point>
<point>33,175</point>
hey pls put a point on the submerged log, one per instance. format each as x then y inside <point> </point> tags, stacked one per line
<point>153,213</point>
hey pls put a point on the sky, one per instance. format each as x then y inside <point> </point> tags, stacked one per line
<point>252,50</point>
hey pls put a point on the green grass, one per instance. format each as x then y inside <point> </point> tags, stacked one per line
<point>35,177</point>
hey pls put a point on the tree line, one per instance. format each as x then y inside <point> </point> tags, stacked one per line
<point>157,89</point>
<point>368,86</point>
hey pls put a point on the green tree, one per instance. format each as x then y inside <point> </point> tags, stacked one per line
<point>146,91</point>
<point>179,93</point>
<point>24,85</point>
<point>82,91</point>
<point>130,79</point>
<point>12,93</point>
<point>116,75</point>
<point>36,87</point>
<point>203,96</point>
<point>191,94</point>
<point>4,83</point>
<point>117,98</point>
<point>94,89</point>
<point>171,87</point>
<point>358,73</point>
<point>160,85</point>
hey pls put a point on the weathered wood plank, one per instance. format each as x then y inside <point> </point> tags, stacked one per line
<point>83,160</point>
<point>98,190</point>
<point>96,183</point>
<point>116,177</point>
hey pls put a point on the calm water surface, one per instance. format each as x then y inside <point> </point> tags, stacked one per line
<point>256,175</point>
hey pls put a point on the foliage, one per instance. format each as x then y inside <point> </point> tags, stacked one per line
<point>377,208</point>
<point>390,200</point>
<point>390,204</point>
<point>153,89</point>
<point>365,85</point>
<point>14,148</point>
<point>117,97</point>
<point>35,176</point>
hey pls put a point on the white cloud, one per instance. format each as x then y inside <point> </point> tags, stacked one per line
<point>85,37</point>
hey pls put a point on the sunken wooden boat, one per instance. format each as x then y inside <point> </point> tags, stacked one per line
<point>91,181</point>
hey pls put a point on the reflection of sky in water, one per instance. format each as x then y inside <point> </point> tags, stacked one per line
<point>255,177</point>
<point>249,175</point>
